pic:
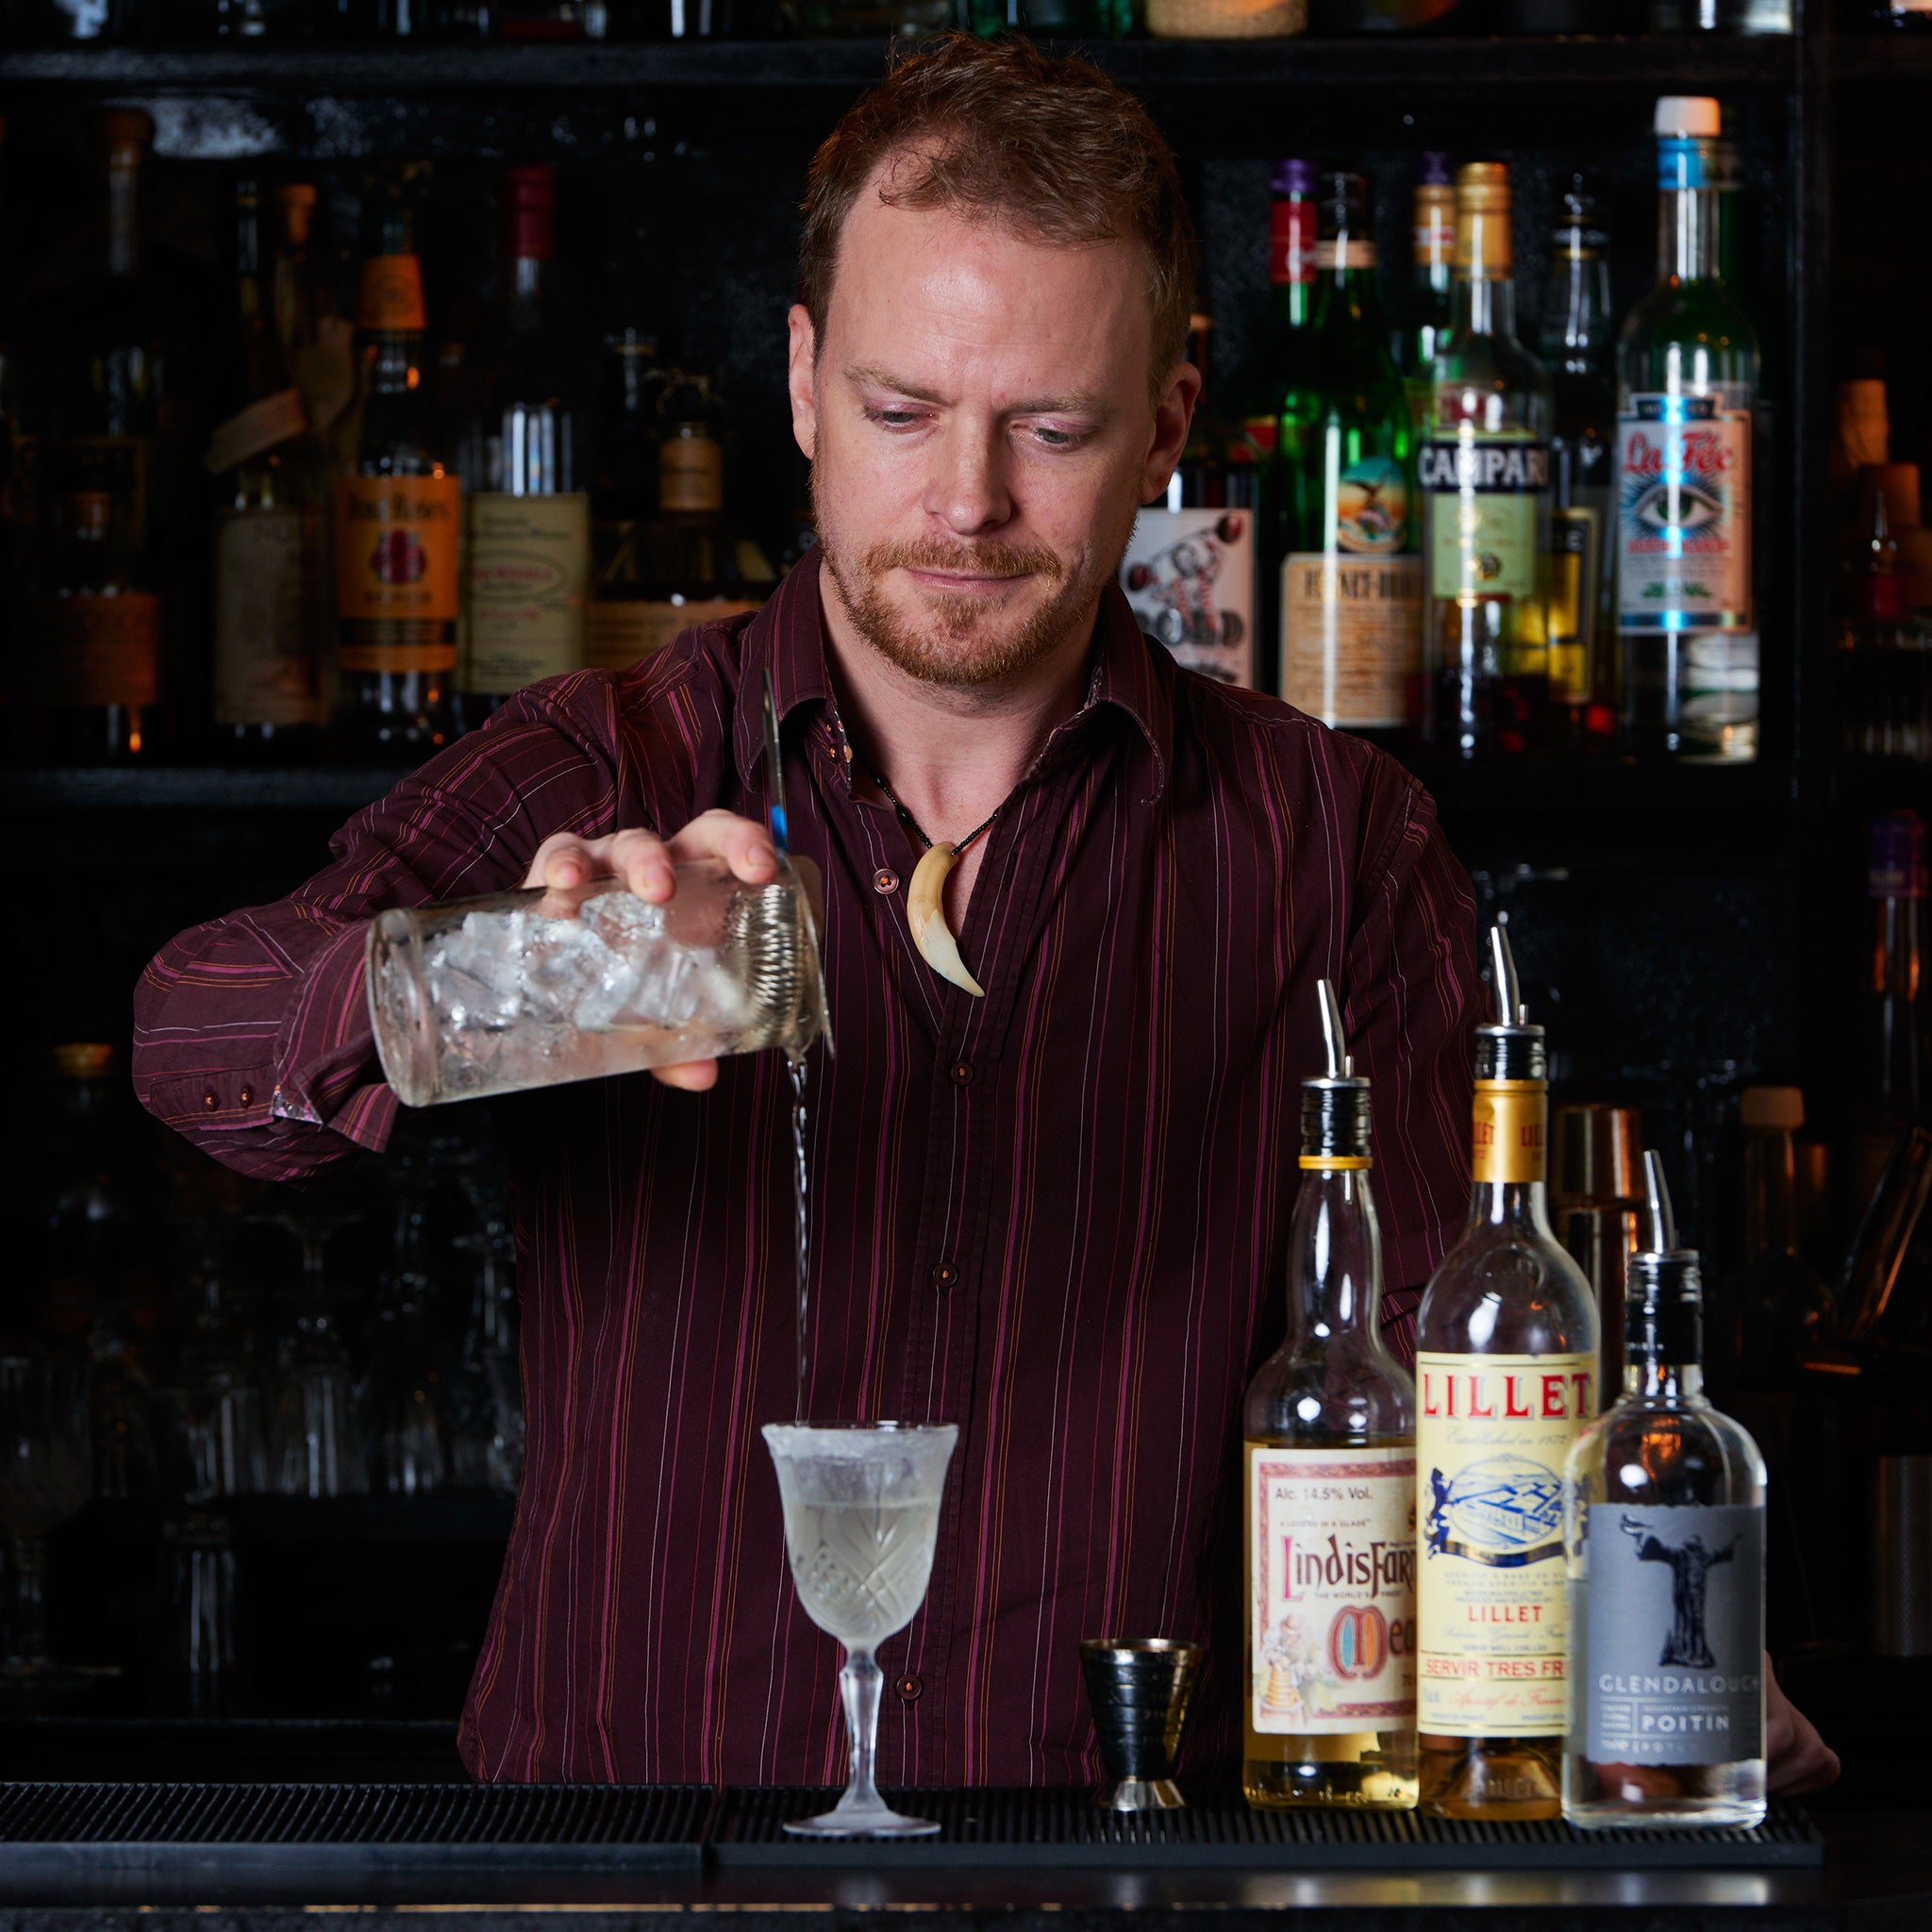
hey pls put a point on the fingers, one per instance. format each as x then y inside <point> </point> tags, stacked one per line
<point>636,856</point>
<point>690,1076</point>
<point>743,845</point>
<point>1797,1758</point>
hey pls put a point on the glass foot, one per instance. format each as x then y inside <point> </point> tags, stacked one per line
<point>861,1822</point>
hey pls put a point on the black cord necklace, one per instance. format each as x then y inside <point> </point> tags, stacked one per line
<point>913,825</point>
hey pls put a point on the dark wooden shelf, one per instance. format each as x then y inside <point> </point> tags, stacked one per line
<point>1885,59</point>
<point>1444,64</point>
<point>195,788</point>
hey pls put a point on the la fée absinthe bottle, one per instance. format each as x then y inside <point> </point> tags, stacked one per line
<point>1505,1373</point>
<point>1687,384</point>
<point>1329,1448</point>
<point>1664,1530</point>
<point>1484,471</point>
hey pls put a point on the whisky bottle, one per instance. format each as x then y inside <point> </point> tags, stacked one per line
<point>318,342</point>
<point>1350,582</point>
<point>1484,474</point>
<point>1687,383</point>
<point>1190,564</point>
<point>267,691</point>
<point>1505,1368</point>
<point>397,524</point>
<point>526,554</point>
<point>1428,305</point>
<point>1329,1447</point>
<point>1576,345</point>
<point>1664,1530</point>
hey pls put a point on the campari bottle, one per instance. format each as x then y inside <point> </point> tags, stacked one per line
<point>1329,1434</point>
<point>1664,1530</point>
<point>1505,1368</point>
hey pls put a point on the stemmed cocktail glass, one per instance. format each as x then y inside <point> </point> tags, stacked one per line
<point>861,1518</point>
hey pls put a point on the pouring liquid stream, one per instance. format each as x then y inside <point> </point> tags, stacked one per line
<point>801,1230</point>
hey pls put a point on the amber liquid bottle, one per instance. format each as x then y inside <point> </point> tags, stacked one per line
<point>398,522</point>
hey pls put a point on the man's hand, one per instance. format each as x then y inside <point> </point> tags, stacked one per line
<point>645,862</point>
<point>1796,1757</point>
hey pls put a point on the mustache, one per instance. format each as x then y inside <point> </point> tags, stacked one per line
<point>991,559</point>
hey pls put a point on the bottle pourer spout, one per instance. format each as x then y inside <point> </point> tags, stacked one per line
<point>1510,1010</point>
<point>1334,1037</point>
<point>1661,1223</point>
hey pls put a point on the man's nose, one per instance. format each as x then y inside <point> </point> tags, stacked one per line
<point>968,488</point>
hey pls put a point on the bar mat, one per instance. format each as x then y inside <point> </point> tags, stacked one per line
<point>635,1828</point>
<point>1062,1827</point>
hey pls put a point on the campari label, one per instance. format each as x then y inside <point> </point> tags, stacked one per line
<point>1486,491</point>
<point>1682,514</point>
<point>1491,1435</point>
<point>1331,1534</point>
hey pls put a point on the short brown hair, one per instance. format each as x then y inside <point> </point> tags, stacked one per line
<point>1002,130</point>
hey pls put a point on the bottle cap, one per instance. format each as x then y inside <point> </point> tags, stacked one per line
<point>1895,857</point>
<point>1335,1104</point>
<point>1293,177</point>
<point>1342,224</point>
<point>127,132</point>
<point>1432,170</point>
<point>1688,117</point>
<point>1578,231</point>
<point>1779,1110</point>
<point>1482,221</point>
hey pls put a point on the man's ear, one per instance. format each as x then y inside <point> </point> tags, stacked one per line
<point>1174,415</point>
<point>800,369</point>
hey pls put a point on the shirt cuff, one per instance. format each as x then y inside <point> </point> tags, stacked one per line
<point>326,1072</point>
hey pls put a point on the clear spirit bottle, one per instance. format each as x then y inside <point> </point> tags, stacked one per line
<point>1664,1538</point>
<point>1329,1434</point>
<point>1687,386</point>
<point>1484,474</point>
<point>1505,1367</point>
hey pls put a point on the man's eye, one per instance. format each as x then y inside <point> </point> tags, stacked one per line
<point>1055,438</point>
<point>894,419</point>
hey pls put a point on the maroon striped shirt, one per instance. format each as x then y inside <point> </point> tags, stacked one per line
<point>1056,1216</point>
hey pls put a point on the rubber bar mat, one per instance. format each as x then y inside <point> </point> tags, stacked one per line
<point>1062,1827</point>
<point>658,1827</point>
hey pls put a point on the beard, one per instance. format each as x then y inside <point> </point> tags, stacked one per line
<point>960,641</point>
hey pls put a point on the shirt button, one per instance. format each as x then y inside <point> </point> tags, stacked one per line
<point>944,1275</point>
<point>909,1686</point>
<point>962,1072</point>
<point>247,1095</point>
<point>209,1100</point>
<point>885,880</point>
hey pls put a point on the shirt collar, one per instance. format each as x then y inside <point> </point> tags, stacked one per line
<point>786,637</point>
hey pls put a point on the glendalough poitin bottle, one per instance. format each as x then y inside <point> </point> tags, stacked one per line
<point>1329,1717</point>
<point>1505,1364</point>
<point>1664,1529</point>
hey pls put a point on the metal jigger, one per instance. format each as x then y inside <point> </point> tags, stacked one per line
<point>1139,1688</point>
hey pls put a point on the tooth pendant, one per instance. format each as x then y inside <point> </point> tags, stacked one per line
<point>926,914</point>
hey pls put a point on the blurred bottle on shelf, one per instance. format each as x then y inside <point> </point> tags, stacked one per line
<point>1578,345</point>
<point>1292,235</point>
<point>1226,20</point>
<point>1687,387</point>
<point>318,341</point>
<point>1895,485</point>
<point>1485,481</point>
<point>397,524</point>
<point>1910,16</point>
<point>1721,16</point>
<point>1427,301</point>
<point>686,565</point>
<point>1889,1094</point>
<point>317,1447</point>
<point>1085,20</point>
<point>267,643</point>
<point>1350,586</point>
<point>1189,568</point>
<point>527,552</point>
<point>1884,659</point>
<point>56,22</point>
<point>1596,1194</point>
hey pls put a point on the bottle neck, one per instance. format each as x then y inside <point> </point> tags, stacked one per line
<point>395,366</point>
<point>1580,308</point>
<point>123,219</point>
<point>1771,1192</point>
<point>1485,305</point>
<point>1521,1205</point>
<point>1335,1284</point>
<point>1649,1378</point>
<point>1690,242</point>
<point>527,294</point>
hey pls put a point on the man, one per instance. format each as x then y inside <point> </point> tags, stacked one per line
<point>1053,1211</point>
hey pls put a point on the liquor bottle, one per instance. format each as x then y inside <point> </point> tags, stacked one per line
<point>1290,291</point>
<point>1885,658</point>
<point>267,680</point>
<point>1888,1095</point>
<point>1687,384</point>
<point>1908,16</point>
<point>397,524</point>
<point>1579,348</point>
<point>1664,1531</point>
<point>1351,581</point>
<point>1190,564</point>
<point>623,499</point>
<point>685,566</point>
<point>526,557</point>
<point>1428,303</point>
<point>1329,1444</point>
<point>1505,1364</point>
<point>318,341</point>
<point>99,652</point>
<point>1484,473</point>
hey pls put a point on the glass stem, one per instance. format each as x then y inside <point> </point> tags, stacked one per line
<point>28,1648</point>
<point>859,1683</point>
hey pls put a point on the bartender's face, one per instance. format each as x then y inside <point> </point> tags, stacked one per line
<point>981,431</point>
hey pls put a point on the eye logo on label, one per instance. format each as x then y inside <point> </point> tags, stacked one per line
<point>1357,1642</point>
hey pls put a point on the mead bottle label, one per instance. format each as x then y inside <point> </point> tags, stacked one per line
<point>1189,577</point>
<point>1669,1611</point>
<point>1682,514</point>
<point>396,541</point>
<point>1485,495</point>
<point>527,568</point>
<point>1491,1435</point>
<point>1331,1537</point>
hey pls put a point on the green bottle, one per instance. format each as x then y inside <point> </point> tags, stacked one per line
<point>1350,577</point>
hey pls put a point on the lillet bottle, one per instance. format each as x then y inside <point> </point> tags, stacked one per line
<point>1664,1533</point>
<point>1329,1448</point>
<point>1506,1367</point>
